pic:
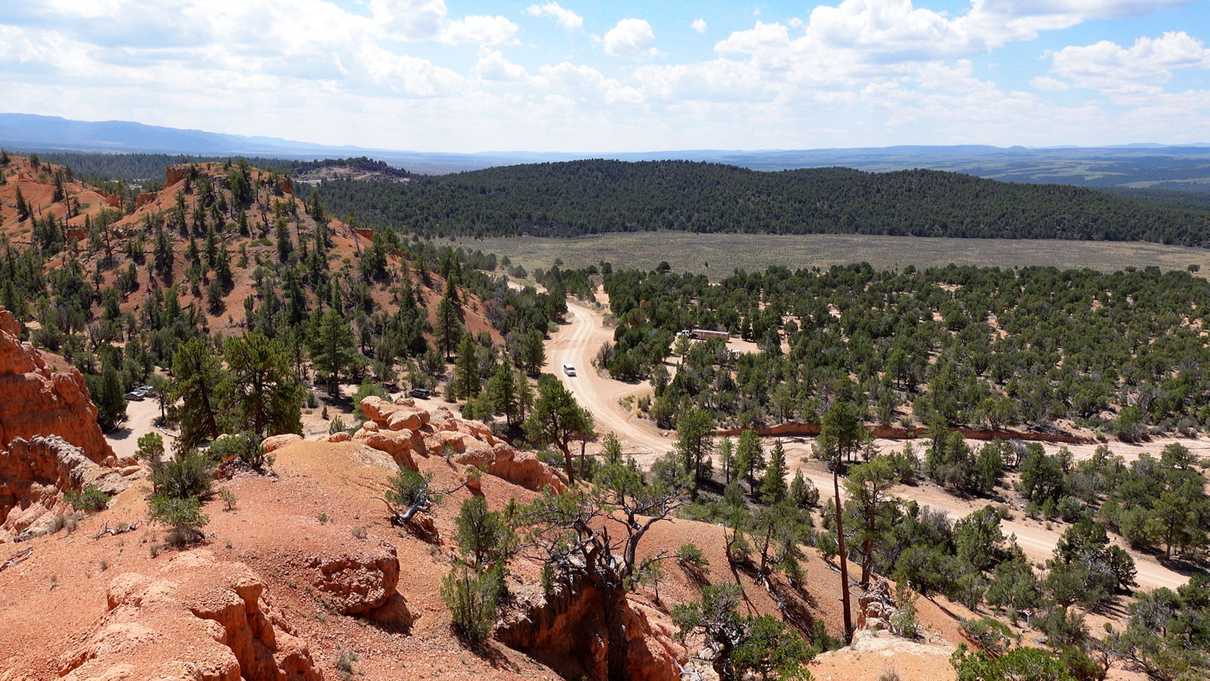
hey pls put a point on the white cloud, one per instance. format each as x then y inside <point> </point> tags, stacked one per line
<point>699,25</point>
<point>565,17</point>
<point>495,66</point>
<point>1140,68</point>
<point>480,30</point>
<point>630,38</point>
<point>410,19</point>
<point>852,72</point>
<point>586,84</point>
<point>1049,84</point>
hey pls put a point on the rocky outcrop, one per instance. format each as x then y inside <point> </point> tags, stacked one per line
<point>37,474</point>
<point>200,618</point>
<point>877,606</point>
<point>37,400</point>
<point>405,431</point>
<point>568,632</point>
<point>357,581</point>
<point>50,443</point>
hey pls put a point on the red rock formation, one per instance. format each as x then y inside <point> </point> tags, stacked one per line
<point>568,633</point>
<point>36,400</point>
<point>404,431</point>
<point>357,581</point>
<point>199,619</point>
<point>36,473</point>
<point>174,174</point>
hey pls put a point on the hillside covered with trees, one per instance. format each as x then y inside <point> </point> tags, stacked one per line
<point>588,197</point>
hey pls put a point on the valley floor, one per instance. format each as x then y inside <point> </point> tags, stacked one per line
<point>717,255</point>
<point>578,342</point>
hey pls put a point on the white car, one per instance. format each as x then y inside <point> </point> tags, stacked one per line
<point>569,370</point>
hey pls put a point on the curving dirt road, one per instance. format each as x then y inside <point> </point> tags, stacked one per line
<point>578,343</point>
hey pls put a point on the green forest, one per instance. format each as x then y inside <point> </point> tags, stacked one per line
<point>589,197</point>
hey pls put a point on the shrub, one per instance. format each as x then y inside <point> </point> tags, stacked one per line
<point>991,635</point>
<point>1021,664</point>
<point>484,537</point>
<point>337,425</point>
<point>408,487</point>
<point>244,449</point>
<point>690,557</point>
<point>228,498</point>
<point>90,499</point>
<point>472,600</point>
<point>151,449</point>
<point>183,515</point>
<point>188,475</point>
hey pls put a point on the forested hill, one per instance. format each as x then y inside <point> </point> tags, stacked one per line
<point>586,197</point>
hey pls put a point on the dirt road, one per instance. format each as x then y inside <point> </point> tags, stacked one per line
<point>579,342</point>
<point>1036,539</point>
<point>140,420</point>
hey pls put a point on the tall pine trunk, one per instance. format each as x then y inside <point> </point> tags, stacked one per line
<point>844,556</point>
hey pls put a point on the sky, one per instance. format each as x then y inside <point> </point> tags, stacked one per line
<point>622,75</point>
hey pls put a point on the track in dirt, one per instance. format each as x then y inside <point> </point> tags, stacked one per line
<point>578,343</point>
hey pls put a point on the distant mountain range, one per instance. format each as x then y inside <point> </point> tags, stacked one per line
<point>1136,166</point>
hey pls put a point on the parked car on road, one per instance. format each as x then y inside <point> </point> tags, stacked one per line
<point>569,370</point>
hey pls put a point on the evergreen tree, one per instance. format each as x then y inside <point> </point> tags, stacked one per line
<point>109,397</point>
<point>556,419</point>
<point>726,455</point>
<point>694,443</point>
<point>332,348</point>
<point>749,457</point>
<point>197,386</point>
<point>449,322</point>
<point>262,391</point>
<point>773,484</point>
<point>502,392</point>
<point>466,370</point>
<point>23,210</point>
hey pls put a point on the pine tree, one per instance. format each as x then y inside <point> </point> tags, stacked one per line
<point>263,390</point>
<point>466,370</point>
<point>449,322</point>
<point>332,348</point>
<point>749,457</point>
<point>726,454</point>
<point>502,392</point>
<point>198,376</point>
<point>773,484</point>
<point>22,206</point>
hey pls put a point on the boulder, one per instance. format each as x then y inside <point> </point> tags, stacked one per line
<point>340,436</point>
<point>37,474</point>
<point>394,416</point>
<point>276,442</point>
<point>396,443</point>
<point>357,581</point>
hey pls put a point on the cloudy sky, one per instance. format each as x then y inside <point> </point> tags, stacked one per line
<point>581,75</point>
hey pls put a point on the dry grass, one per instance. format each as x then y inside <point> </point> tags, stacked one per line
<point>717,255</point>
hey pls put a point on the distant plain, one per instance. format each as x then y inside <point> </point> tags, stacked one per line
<point>717,255</point>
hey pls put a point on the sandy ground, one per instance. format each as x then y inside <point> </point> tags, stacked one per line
<point>140,420</point>
<point>578,342</point>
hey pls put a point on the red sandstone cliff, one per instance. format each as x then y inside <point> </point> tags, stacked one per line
<point>38,400</point>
